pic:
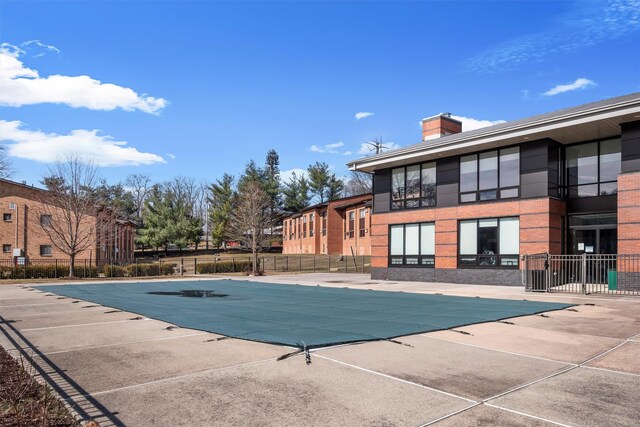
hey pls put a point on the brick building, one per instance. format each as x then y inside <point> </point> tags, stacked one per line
<point>463,207</point>
<point>21,234</point>
<point>337,227</point>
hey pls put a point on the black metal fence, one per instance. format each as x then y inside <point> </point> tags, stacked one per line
<point>157,266</point>
<point>583,274</point>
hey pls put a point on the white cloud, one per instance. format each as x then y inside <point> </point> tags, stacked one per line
<point>87,145</point>
<point>367,149</point>
<point>285,176</point>
<point>328,148</point>
<point>38,48</point>
<point>362,115</point>
<point>584,24</point>
<point>469,123</point>
<point>20,85</point>
<point>171,156</point>
<point>580,83</point>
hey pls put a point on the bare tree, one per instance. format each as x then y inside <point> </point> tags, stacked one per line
<point>139,185</point>
<point>69,210</point>
<point>6,169</point>
<point>358,183</point>
<point>251,220</point>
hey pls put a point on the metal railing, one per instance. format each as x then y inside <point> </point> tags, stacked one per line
<point>50,268</point>
<point>583,274</point>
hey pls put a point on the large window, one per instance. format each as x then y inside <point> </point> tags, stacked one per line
<point>361,222</point>
<point>413,186</point>
<point>45,250</point>
<point>489,242</point>
<point>412,244</point>
<point>490,175</point>
<point>593,168</point>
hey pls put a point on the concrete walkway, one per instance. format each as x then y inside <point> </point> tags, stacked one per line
<point>573,367</point>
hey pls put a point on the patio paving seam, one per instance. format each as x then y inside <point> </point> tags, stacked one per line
<point>397,379</point>
<point>78,325</point>
<point>497,350</point>
<point>178,377</point>
<point>611,370</point>
<point>527,415</point>
<point>125,343</point>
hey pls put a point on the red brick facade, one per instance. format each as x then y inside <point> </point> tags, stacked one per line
<point>326,228</point>
<point>21,207</point>
<point>540,227</point>
<point>629,213</point>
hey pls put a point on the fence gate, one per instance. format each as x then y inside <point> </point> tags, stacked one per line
<point>583,274</point>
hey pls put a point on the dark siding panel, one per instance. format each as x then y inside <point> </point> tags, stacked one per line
<point>382,190</point>
<point>534,169</point>
<point>630,140</point>
<point>447,177</point>
<point>592,204</point>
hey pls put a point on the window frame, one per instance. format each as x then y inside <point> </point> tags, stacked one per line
<point>420,200</point>
<point>4,217</point>
<point>4,246</point>
<point>498,190</point>
<point>566,187</point>
<point>424,261</point>
<point>479,257</point>
<point>50,250</point>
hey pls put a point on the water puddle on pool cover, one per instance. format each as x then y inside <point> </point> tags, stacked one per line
<point>192,293</point>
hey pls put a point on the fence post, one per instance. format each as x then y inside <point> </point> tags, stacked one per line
<point>233,263</point>
<point>300,263</point>
<point>215,264</point>
<point>329,258</point>
<point>362,264</point>
<point>584,273</point>
<point>314,263</point>
<point>346,263</point>
<point>84,271</point>
<point>287,262</point>
<point>55,275</point>
<point>181,266</point>
<point>160,267</point>
<point>195,265</point>
<point>275,263</point>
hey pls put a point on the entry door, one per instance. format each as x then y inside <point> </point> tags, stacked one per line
<point>594,241</point>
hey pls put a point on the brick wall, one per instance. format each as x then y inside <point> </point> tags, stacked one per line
<point>540,226</point>
<point>30,235</point>
<point>629,213</point>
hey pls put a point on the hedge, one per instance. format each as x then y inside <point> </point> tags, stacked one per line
<point>239,266</point>
<point>110,270</point>
<point>45,271</point>
<point>150,269</point>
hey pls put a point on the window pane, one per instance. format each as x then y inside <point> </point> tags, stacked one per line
<point>609,160</point>
<point>505,194</point>
<point>489,195</point>
<point>488,237</point>
<point>429,181</point>
<point>413,182</point>
<point>411,238</point>
<point>488,170</point>
<point>413,203</point>
<point>582,164</point>
<point>510,167</point>
<point>397,184</point>
<point>427,239</point>
<point>469,173</point>
<point>509,236</point>
<point>397,240</point>
<point>468,237</point>
<point>608,189</point>
<point>584,191</point>
<point>471,197</point>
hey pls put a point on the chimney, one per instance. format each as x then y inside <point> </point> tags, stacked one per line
<point>439,125</point>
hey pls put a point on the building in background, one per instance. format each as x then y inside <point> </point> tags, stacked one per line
<point>22,236</point>
<point>339,227</point>
<point>463,207</point>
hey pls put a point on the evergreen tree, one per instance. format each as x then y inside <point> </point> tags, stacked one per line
<point>272,180</point>
<point>323,184</point>
<point>221,195</point>
<point>296,194</point>
<point>169,220</point>
<point>252,173</point>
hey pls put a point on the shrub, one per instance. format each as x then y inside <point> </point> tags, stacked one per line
<point>233,266</point>
<point>110,270</point>
<point>46,271</point>
<point>150,269</point>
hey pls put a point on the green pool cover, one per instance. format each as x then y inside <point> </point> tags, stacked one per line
<point>297,315</point>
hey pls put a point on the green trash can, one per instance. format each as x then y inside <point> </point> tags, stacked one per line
<point>612,280</point>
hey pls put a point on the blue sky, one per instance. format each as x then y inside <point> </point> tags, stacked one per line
<point>199,88</point>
